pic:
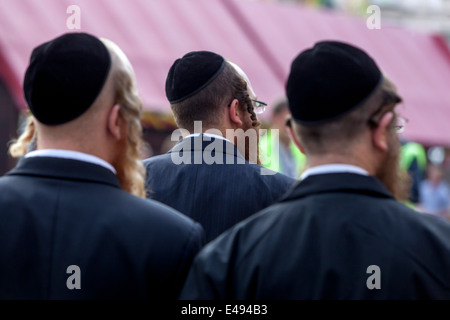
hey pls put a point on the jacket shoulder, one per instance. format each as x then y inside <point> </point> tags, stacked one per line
<point>161,158</point>
<point>271,177</point>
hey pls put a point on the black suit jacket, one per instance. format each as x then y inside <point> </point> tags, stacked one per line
<point>55,213</point>
<point>334,236</point>
<point>217,188</point>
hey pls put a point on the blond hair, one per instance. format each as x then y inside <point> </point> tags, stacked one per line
<point>19,147</point>
<point>131,172</point>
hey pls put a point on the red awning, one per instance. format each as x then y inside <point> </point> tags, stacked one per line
<point>152,34</point>
<point>261,37</point>
<point>418,63</point>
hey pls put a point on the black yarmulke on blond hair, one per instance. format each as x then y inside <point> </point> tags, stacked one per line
<point>191,73</point>
<point>329,80</point>
<point>65,76</point>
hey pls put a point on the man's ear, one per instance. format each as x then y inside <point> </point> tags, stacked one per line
<point>234,113</point>
<point>380,134</point>
<point>114,122</point>
<point>293,136</point>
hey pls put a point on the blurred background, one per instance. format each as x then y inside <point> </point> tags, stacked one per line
<point>410,43</point>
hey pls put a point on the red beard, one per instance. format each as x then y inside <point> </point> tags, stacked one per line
<point>392,176</point>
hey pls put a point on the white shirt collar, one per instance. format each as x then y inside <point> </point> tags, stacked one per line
<point>211,135</point>
<point>69,154</point>
<point>333,168</point>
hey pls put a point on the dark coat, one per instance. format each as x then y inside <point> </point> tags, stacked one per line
<point>325,240</point>
<point>55,213</point>
<point>216,195</point>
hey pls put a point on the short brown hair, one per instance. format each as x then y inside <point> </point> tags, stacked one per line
<point>205,105</point>
<point>279,106</point>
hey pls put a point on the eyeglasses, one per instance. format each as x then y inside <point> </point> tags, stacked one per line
<point>400,124</point>
<point>259,106</point>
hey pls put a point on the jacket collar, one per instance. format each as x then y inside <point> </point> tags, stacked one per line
<point>64,169</point>
<point>199,143</point>
<point>342,182</point>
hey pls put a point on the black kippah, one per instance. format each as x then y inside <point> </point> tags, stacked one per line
<point>65,76</point>
<point>191,73</point>
<point>330,80</point>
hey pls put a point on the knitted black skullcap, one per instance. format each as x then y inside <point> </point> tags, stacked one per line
<point>65,76</point>
<point>330,80</point>
<point>191,73</point>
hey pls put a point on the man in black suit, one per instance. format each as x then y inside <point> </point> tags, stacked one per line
<point>74,221</point>
<point>212,174</point>
<point>342,232</point>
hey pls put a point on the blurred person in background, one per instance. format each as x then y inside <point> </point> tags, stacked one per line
<point>341,233</point>
<point>74,221</point>
<point>434,193</point>
<point>208,175</point>
<point>289,159</point>
<point>413,159</point>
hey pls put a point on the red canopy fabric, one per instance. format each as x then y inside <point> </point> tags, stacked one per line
<point>261,37</point>
<point>418,63</point>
